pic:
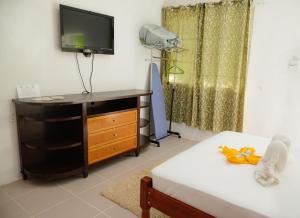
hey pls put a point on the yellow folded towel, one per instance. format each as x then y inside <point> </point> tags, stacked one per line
<point>245,155</point>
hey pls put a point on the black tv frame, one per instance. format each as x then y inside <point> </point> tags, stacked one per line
<point>94,50</point>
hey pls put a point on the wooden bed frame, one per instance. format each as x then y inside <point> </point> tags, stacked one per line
<point>150,197</point>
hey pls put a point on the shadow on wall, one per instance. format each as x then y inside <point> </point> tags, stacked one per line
<point>291,120</point>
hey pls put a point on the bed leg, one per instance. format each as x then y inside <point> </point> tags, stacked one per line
<point>146,183</point>
<point>146,213</point>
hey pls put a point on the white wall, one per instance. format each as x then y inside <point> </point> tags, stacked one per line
<point>30,53</point>
<point>272,97</point>
<point>273,89</point>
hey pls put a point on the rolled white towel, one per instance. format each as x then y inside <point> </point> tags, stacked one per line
<point>274,161</point>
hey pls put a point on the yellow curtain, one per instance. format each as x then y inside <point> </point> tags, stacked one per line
<point>210,93</point>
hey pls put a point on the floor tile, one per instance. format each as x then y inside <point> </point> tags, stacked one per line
<point>153,151</point>
<point>102,215</point>
<point>133,161</point>
<point>77,185</point>
<point>119,212</point>
<point>73,208</point>
<point>133,171</point>
<point>43,198</point>
<point>111,169</point>
<point>78,197</point>
<point>11,209</point>
<point>21,187</point>
<point>94,197</point>
<point>3,197</point>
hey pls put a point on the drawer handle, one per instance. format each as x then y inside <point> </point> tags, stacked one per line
<point>115,134</point>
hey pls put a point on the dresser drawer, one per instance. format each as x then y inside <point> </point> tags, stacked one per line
<point>109,150</point>
<point>112,120</point>
<point>98,139</point>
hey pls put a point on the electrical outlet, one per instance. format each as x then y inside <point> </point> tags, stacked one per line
<point>294,62</point>
<point>12,117</point>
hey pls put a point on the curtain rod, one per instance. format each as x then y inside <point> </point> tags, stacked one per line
<point>205,3</point>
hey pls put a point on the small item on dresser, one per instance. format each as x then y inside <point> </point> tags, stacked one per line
<point>57,97</point>
<point>43,98</point>
<point>48,98</point>
<point>273,162</point>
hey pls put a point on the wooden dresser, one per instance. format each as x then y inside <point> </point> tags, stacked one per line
<point>61,138</point>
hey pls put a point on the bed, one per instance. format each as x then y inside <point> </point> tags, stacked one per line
<point>201,183</point>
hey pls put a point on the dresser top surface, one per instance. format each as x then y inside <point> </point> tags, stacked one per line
<point>85,98</point>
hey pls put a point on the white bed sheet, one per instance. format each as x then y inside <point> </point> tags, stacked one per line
<point>201,177</point>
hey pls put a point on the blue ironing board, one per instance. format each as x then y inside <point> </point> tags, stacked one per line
<point>158,105</point>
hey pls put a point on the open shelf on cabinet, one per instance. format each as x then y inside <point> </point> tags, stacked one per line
<point>54,171</point>
<point>50,144</point>
<point>144,140</point>
<point>50,119</point>
<point>54,163</point>
<point>104,107</point>
<point>144,104</point>
<point>143,122</point>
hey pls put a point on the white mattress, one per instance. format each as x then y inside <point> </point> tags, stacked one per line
<point>202,177</point>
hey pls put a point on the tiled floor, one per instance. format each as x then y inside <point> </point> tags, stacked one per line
<point>80,198</point>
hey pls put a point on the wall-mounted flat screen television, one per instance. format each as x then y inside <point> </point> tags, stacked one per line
<point>82,30</point>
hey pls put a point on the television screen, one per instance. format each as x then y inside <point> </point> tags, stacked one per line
<point>86,30</point>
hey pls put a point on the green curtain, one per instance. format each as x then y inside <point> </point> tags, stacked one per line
<point>210,93</point>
